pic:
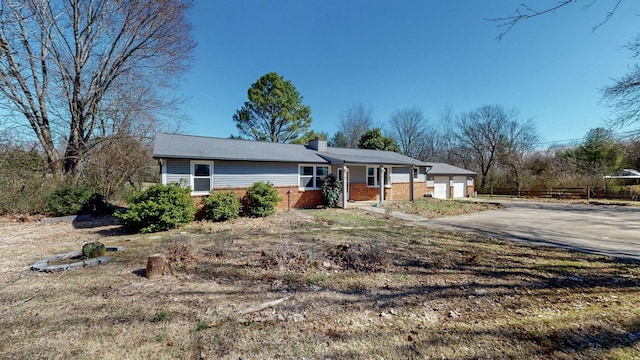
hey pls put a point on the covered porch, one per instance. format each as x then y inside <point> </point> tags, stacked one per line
<point>374,184</point>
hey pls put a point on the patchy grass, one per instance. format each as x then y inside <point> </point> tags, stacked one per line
<point>430,208</point>
<point>356,285</point>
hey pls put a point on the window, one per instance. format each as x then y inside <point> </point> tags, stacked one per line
<point>373,176</point>
<point>310,177</point>
<point>201,180</point>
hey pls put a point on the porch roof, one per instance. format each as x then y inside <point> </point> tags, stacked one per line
<point>624,174</point>
<point>337,156</point>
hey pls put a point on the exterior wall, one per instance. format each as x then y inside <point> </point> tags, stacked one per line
<point>178,170</point>
<point>401,174</point>
<point>361,192</point>
<point>236,174</point>
<point>292,197</point>
<point>358,174</point>
<point>402,191</point>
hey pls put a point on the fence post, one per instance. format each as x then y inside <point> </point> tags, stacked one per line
<point>588,194</point>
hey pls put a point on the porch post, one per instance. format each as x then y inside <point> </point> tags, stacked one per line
<point>381,184</point>
<point>411,193</point>
<point>344,186</point>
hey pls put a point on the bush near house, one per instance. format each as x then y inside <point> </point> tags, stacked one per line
<point>222,206</point>
<point>331,188</point>
<point>69,200</point>
<point>158,208</point>
<point>261,200</point>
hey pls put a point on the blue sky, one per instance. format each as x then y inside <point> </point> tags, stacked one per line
<point>396,54</point>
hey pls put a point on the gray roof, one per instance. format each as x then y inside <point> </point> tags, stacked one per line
<point>446,169</point>
<point>364,156</point>
<point>624,174</point>
<point>200,147</point>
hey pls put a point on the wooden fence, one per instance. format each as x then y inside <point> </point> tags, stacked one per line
<point>563,193</point>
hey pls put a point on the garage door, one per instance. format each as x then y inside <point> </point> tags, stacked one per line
<point>441,187</point>
<point>459,186</point>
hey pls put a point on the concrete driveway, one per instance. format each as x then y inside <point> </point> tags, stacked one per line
<point>601,229</point>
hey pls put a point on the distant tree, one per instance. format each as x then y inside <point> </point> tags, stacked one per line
<point>600,153</point>
<point>517,142</point>
<point>274,111</point>
<point>339,140</point>
<point>633,154</point>
<point>310,135</point>
<point>484,132</point>
<point>354,122</point>
<point>65,67</point>
<point>410,130</point>
<point>374,140</point>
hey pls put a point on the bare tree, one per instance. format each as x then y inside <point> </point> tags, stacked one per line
<point>354,122</point>
<point>410,129</point>
<point>518,141</point>
<point>65,65</point>
<point>484,132</point>
<point>623,97</point>
<point>526,11</point>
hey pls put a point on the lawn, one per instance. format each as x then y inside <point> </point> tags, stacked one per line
<point>351,284</point>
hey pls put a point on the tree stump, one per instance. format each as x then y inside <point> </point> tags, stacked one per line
<point>155,265</point>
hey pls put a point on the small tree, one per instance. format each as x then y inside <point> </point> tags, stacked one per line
<point>331,188</point>
<point>274,111</point>
<point>222,206</point>
<point>374,140</point>
<point>159,208</point>
<point>261,200</point>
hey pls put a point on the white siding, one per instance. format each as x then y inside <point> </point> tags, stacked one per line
<point>459,186</point>
<point>178,170</point>
<point>399,175</point>
<point>244,173</point>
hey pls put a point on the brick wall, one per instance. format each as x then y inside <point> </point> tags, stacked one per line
<point>292,197</point>
<point>402,191</point>
<point>361,192</point>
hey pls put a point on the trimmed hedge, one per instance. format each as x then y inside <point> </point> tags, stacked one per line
<point>261,200</point>
<point>158,208</point>
<point>222,206</point>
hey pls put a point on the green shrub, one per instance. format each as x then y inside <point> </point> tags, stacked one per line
<point>69,200</point>
<point>222,206</point>
<point>261,200</point>
<point>331,188</point>
<point>158,208</point>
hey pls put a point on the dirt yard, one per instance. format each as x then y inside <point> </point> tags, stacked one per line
<point>351,284</point>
